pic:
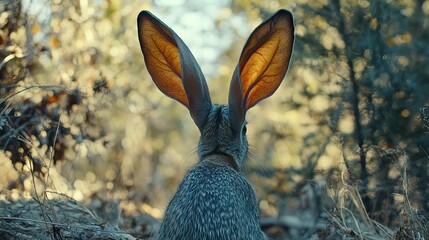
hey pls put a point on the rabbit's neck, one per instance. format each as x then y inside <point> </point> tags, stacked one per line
<point>222,159</point>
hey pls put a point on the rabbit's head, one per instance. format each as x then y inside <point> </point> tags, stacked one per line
<point>219,136</point>
<point>262,66</point>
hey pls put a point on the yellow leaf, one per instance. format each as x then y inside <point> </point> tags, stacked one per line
<point>406,38</point>
<point>35,29</point>
<point>374,23</point>
<point>55,42</point>
<point>400,39</point>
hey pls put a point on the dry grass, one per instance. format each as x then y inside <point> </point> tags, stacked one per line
<point>54,219</point>
<point>352,221</point>
<point>64,218</point>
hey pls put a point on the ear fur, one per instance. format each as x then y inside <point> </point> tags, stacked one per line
<point>262,66</point>
<point>172,67</point>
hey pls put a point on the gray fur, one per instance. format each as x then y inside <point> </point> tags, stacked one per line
<point>214,201</point>
<point>218,137</point>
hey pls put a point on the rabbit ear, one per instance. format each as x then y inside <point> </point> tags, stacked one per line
<point>262,66</point>
<point>172,67</point>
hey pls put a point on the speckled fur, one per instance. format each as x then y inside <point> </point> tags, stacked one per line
<point>218,137</point>
<point>214,200</point>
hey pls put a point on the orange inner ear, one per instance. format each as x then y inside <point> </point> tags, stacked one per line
<point>163,60</point>
<point>261,72</point>
<point>265,58</point>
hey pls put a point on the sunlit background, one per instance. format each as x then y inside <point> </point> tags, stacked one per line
<point>354,101</point>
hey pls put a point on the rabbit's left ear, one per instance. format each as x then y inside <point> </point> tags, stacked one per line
<point>262,66</point>
<point>172,67</point>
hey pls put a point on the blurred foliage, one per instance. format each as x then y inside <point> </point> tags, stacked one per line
<point>374,52</point>
<point>359,86</point>
<point>78,110</point>
<point>44,112</point>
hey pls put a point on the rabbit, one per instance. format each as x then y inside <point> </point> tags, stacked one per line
<point>214,199</point>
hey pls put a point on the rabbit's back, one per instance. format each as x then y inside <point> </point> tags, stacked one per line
<point>213,202</point>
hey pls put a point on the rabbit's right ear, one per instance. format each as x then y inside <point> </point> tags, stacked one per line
<point>262,66</point>
<point>172,67</point>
